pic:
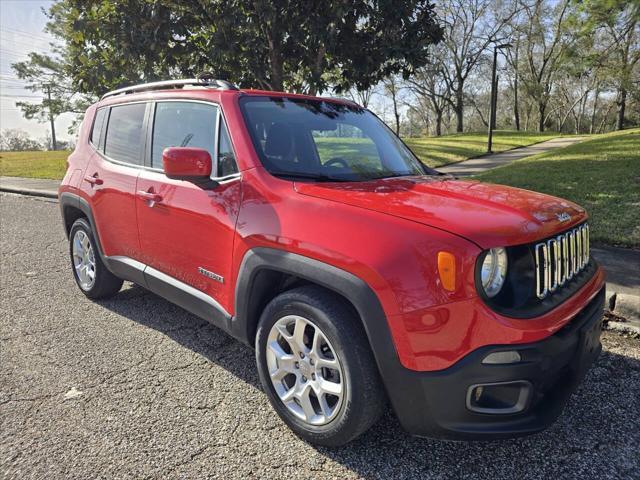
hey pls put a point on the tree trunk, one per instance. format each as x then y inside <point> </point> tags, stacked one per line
<point>396,113</point>
<point>277,67</point>
<point>516,112</point>
<point>438,123</point>
<point>541,109</point>
<point>592,126</point>
<point>604,118</point>
<point>622,104</point>
<point>459,109</point>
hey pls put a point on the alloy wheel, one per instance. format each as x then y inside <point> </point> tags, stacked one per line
<point>304,369</point>
<point>84,260</point>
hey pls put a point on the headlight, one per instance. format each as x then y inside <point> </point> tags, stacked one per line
<point>494,271</point>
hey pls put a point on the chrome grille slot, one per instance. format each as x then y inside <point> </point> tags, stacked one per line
<point>559,259</point>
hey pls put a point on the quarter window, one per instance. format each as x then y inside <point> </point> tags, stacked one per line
<point>124,140</point>
<point>226,158</point>
<point>183,124</point>
<point>96,132</point>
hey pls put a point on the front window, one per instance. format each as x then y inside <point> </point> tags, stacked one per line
<point>183,124</point>
<point>321,140</point>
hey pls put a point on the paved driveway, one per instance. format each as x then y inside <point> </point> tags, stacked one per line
<point>137,388</point>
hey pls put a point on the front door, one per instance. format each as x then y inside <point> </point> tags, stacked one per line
<point>186,232</point>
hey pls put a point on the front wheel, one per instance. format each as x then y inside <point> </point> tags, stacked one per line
<point>317,368</point>
<point>90,273</point>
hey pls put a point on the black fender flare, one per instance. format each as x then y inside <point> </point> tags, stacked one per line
<point>68,199</point>
<point>349,286</point>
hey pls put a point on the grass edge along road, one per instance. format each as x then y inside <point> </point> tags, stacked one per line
<point>34,164</point>
<point>433,151</point>
<point>601,174</point>
<point>439,151</point>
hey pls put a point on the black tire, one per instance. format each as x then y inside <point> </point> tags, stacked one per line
<point>106,284</point>
<point>364,399</point>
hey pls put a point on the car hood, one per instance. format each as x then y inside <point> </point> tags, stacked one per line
<point>488,215</point>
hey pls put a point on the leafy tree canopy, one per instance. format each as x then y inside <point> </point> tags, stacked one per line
<point>304,46</point>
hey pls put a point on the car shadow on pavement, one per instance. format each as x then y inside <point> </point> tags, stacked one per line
<point>595,436</point>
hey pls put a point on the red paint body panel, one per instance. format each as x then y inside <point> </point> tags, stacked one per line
<point>386,232</point>
<point>489,215</point>
<point>186,162</point>
<point>189,228</point>
<point>113,205</point>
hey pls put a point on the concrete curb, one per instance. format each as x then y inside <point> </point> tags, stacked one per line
<point>624,312</point>
<point>623,328</point>
<point>32,192</point>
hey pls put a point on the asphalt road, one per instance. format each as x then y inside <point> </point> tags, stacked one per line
<point>135,387</point>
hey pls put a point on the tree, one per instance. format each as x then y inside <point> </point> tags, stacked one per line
<point>362,97</point>
<point>469,29</point>
<point>432,90</point>
<point>305,47</point>
<point>392,89</point>
<point>15,140</point>
<point>46,73</point>
<point>619,21</point>
<point>543,52</point>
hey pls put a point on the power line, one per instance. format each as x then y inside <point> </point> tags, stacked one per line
<point>8,42</point>
<point>24,37</point>
<point>21,96</point>
<point>16,52</point>
<point>28,34</point>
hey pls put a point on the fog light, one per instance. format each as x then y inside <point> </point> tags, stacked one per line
<point>495,358</point>
<point>499,398</point>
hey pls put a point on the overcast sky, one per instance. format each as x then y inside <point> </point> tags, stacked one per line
<point>21,31</point>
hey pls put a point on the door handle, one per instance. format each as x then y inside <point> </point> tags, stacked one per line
<point>93,180</point>
<point>150,197</point>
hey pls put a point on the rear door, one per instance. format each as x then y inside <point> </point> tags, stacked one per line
<point>188,233</point>
<point>111,176</point>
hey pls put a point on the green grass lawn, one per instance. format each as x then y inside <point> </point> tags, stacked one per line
<point>433,151</point>
<point>34,164</point>
<point>601,174</point>
<point>438,151</point>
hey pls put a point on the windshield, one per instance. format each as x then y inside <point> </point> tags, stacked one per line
<point>320,140</point>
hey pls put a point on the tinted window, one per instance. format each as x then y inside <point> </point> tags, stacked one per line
<point>347,146</point>
<point>124,139</point>
<point>321,140</point>
<point>183,124</point>
<point>226,158</point>
<point>97,127</point>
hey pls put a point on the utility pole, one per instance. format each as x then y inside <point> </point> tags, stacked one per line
<point>494,95</point>
<point>53,127</point>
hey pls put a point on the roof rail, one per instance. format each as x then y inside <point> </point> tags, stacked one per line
<point>171,84</point>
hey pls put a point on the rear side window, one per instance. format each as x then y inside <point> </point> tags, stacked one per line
<point>183,124</point>
<point>124,140</point>
<point>96,132</point>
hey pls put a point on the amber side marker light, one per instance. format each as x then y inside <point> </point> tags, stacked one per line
<point>447,270</point>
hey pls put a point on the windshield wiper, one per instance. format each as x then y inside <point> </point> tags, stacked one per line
<point>308,176</point>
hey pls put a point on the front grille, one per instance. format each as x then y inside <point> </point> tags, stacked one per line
<point>559,259</point>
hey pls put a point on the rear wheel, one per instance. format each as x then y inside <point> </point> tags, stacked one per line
<point>317,368</point>
<point>91,275</point>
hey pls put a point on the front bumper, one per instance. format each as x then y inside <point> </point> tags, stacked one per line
<point>438,404</point>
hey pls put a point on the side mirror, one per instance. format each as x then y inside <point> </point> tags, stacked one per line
<point>188,163</point>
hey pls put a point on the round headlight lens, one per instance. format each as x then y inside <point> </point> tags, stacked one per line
<point>494,271</point>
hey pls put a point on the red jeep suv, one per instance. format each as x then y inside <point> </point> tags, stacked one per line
<point>304,227</point>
